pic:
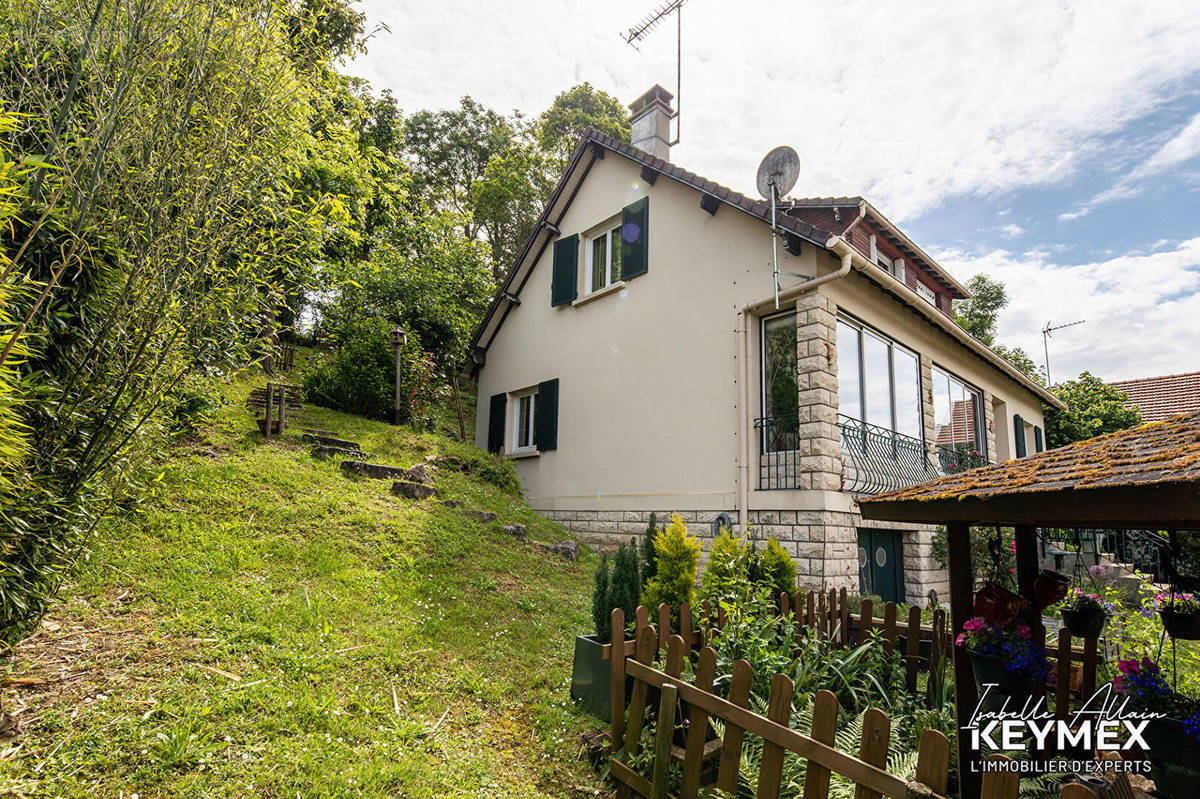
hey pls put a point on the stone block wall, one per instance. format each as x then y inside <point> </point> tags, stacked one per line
<point>824,543</point>
<point>820,458</point>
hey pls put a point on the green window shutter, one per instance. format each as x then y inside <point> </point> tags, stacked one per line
<point>566,269</point>
<point>545,433</point>
<point>1019,434</point>
<point>496,411</point>
<point>1038,444</point>
<point>635,223</point>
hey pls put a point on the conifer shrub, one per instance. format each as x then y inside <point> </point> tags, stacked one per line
<point>625,583</point>
<point>677,553</point>
<point>727,573</point>
<point>649,562</point>
<point>600,609</point>
<point>778,568</point>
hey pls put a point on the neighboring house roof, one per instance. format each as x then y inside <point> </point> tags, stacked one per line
<point>592,147</point>
<point>1164,396</point>
<point>1160,459</point>
<point>827,212</point>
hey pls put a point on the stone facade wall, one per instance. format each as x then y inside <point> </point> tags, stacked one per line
<point>823,543</point>
<point>820,458</point>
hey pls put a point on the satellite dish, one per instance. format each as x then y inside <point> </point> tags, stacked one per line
<point>780,168</point>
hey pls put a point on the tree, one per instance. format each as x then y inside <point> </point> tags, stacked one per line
<point>560,126</point>
<point>978,314</point>
<point>1020,359</point>
<point>508,198</point>
<point>1093,409</point>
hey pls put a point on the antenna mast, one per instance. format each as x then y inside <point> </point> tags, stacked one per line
<point>652,21</point>
<point>1046,331</point>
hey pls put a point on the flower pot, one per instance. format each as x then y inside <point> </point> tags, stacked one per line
<point>1085,623</point>
<point>1183,626</point>
<point>262,426</point>
<point>1174,759</point>
<point>1050,587</point>
<point>924,648</point>
<point>997,606</point>
<point>590,676</point>
<point>1017,687</point>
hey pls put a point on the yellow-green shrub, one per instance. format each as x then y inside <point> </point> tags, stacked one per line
<point>677,554</point>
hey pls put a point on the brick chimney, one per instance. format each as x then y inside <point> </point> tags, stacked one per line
<point>650,122</point>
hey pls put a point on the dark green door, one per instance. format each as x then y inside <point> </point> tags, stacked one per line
<point>880,565</point>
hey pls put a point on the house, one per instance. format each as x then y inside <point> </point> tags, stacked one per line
<point>1162,397</point>
<point>636,359</point>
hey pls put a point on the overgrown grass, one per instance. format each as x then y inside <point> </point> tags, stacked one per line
<point>265,626</point>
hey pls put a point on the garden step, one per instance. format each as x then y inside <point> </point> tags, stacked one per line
<point>484,516</point>
<point>515,530</point>
<point>315,432</point>
<point>452,503</point>
<point>330,441</point>
<point>376,471</point>
<point>329,452</point>
<point>568,549</point>
<point>404,488</point>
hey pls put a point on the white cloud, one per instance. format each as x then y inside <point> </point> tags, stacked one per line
<point>1142,310</point>
<point>1011,230</point>
<point>909,103</point>
<point>1180,148</point>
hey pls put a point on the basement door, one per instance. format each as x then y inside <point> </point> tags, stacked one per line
<point>880,564</point>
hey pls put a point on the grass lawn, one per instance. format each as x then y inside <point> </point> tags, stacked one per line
<point>265,626</point>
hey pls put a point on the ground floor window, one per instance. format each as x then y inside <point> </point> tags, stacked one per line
<point>780,391</point>
<point>524,406</point>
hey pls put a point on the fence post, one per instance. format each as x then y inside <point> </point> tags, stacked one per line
<point>616,678</point>
<point>282,407</point>
<point>731,746</point>
<point>268,414</point>
<point>662,741</point>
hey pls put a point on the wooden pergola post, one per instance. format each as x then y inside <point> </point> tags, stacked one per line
<point>1027,572</point>
<point>966,697</point>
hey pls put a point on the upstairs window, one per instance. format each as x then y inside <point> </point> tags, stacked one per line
<point>958,418</point>
<point>926,294</point>
<point>879,381</point>
<point>603,259</point>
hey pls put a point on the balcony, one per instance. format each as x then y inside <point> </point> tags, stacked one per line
<point>874,459</point>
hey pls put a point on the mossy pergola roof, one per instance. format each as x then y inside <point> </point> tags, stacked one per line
<point>1147,476</point>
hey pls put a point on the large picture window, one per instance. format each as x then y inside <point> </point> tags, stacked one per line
<point>879,381</point>
<point>780,392</point>
<point>958,422</point>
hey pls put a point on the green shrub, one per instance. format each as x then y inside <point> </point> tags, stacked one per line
<point>677,554</point>
<point>778,568</point>
<point>601,612</point>
<point>360,378</point>
<point>489,468</point>
<point>649,564</point>
<point>623,588</point>
<point>726,575</point>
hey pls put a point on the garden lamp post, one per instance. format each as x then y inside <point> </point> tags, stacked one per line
<point>399,340</point>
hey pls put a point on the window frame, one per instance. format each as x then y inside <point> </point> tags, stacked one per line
<point>863,330</point>
<point>980,419</point>
<point>610,232</point>
<point>518,397</point>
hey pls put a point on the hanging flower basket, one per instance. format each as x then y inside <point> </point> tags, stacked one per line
<point>1172,742</point>
<point>1085,614</point>
<point>1180,615</point>
<point>1008,658</point>
<point>1050,587</point>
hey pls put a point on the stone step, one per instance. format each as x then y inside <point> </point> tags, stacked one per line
<point>330,441</point>
<point>376,471</point>
<point>329,452</point>
<point>483,516</point>
<point>315,432</point>
<point>404,488</point>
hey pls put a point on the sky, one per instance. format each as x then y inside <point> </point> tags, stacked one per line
<point>1054,146</point>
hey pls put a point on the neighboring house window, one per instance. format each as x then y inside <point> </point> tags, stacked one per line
<point>524,408</point>
<point>958,422</point>
<point>603,259</point>
<point>887,263</point>
<point>926,294</point>
<point>780,392</point>
<point>879,381</point>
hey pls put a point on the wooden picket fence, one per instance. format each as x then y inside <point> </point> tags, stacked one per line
<point>827,615</point>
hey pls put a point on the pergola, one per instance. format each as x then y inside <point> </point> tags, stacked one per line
<point>1147,477</point>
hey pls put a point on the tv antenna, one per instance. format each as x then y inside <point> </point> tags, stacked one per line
<point>649,23</point>
<point>776,176</point>
<point>1046,331</point>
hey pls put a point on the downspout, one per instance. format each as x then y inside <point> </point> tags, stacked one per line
<point>837,245</point>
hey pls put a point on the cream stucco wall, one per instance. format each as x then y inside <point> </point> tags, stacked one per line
<point>648,394</point>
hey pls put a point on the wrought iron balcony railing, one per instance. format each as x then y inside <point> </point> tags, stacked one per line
<point>778,452</point>
<point>876,459</point>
